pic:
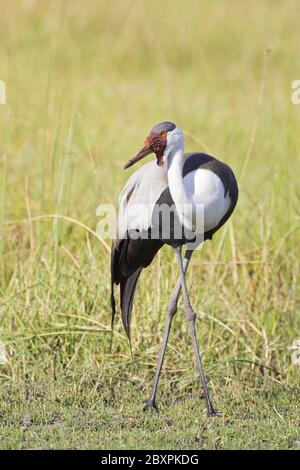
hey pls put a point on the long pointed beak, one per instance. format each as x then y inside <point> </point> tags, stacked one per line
<point>142,153</point>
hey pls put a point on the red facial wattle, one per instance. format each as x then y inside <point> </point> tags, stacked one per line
<point>154,143</point>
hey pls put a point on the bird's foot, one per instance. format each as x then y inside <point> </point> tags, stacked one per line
<point>151,405</point>
<point>212,413</point>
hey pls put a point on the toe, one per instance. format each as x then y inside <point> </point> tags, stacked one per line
<point>150,405</point>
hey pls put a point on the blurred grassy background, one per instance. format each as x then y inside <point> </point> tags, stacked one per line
<point>85,83</point>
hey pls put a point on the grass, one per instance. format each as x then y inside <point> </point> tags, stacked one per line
<point>84,85</point>
<point>93,415</point>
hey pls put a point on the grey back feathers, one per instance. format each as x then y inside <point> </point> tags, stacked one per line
<point>142,189</point>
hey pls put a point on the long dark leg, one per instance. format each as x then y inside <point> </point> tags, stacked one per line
<point>191,316</point>
<point>172,309</point>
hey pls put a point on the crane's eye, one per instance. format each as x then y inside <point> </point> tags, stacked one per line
<point>164,133</point>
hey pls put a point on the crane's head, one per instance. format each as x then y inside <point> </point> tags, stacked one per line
<point>163,138</point>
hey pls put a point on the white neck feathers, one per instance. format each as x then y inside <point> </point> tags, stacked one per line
<point>184,205</point>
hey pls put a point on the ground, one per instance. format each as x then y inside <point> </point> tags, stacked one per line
<point>56,416</point>
<point>84,85</point>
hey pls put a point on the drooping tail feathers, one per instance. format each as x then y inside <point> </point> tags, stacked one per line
<point>127,287</point>
<point>128,257</point>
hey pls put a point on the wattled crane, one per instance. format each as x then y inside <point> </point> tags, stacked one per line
<point>201,193</point>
